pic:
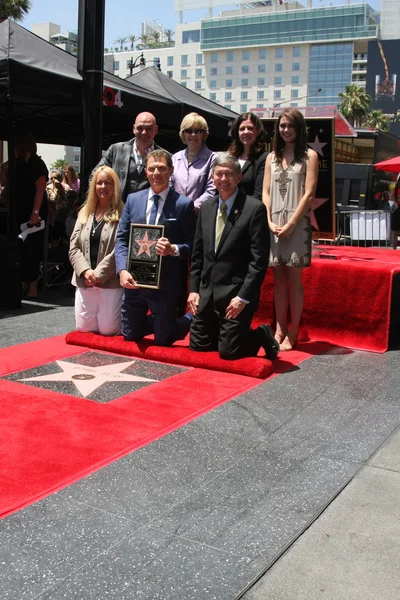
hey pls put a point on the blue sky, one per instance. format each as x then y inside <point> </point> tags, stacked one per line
<point>124,17</point>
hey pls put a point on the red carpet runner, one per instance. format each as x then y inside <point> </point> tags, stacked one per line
<point>49,439</point>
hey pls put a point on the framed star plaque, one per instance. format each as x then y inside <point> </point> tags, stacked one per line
<point>144,264</point>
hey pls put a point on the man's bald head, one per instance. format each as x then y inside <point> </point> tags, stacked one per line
<point>145,130</point>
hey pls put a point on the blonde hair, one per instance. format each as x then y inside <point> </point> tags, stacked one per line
<point>193,120</point>
<point>116,205</point>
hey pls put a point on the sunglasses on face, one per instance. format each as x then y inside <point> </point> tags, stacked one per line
<point>195,131</point>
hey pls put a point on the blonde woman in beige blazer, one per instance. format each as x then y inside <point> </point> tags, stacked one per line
<point>98,293</point>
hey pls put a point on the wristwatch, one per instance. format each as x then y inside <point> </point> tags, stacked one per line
<point>35,212</point>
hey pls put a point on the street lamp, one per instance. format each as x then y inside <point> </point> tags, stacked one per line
<point>291,100</point>
<point>132,64</point>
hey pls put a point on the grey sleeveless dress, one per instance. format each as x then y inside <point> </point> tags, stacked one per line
<point>286,190</point>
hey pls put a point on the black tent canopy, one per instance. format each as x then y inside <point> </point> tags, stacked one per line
<point>40,91</point>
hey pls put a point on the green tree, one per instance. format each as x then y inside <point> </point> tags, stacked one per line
<point>156,36</point>
<point>132,38</point>
<point>121,41</point>
<point>168,34</point>
<point>354,104</point>
<point>145,38</point>
<point>59,164</point>
<point>378,120</point>
<point>16,9</point>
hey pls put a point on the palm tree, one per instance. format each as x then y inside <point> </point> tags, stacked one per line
<point>121,41</point>
<point>354,104</point>
<point>145,38</point>
<point>132,38</point>
<point>16,9</point>
<point>378,120</point>
<point>156,36</point>
<point>168,34</point>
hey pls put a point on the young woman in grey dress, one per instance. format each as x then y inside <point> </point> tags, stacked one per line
<point>290,180</point>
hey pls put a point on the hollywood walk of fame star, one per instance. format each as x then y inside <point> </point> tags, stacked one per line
<point>145,244</point>
<point>316,203</point>
<point>88,379</point>
<point>317,145</point>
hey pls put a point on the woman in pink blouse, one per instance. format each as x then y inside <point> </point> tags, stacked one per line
<point>71,181</point>
<point>192,166</point>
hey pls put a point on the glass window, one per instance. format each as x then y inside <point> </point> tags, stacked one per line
<point>170,61</point>
<point>278,67</point>
<point>245,69</point>
<point>279,53</point>
<point>229,57</point>
<point>184,60</point>
<point>197,85</point>
<point>228,106</point>
<point>243,108</point>
<point>294,104</point>
<point>260,95</point>
<point>259,105</point>
<point>213,83</point>
<point>261,81</point>
<point>277,94</point>
<point>294,94</point>
<point>229,70</point>
<point>213,71</point>
<point>183,73</point>
<point>296,51</point>
<point>214,56</point>
<point>296,67</point>
<point>277,80</point>
<point>228,95</point>
<point>246,55</point>
<point>295,80</point>
<point>244,95</point>
<point>261,68</point>
<point>184,83</point>
<point>228,83</point>
<point>244,82</point>
<point>170,73</point>
<point>262,54</point>
<point>199,72</point>
<point>188,37</point>
<point>116,65</point>
<point>199,59</point>
<point>213,96</point>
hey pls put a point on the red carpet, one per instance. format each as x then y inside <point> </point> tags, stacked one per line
<point>348,300</point>
<point>49,439</point>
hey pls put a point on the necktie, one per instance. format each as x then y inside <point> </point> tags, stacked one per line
<point>220,223</point>
<point>154,209</point>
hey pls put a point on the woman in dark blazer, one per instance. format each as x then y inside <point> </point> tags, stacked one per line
<point>249,147</point>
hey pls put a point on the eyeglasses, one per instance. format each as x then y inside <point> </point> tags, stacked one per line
<point>195,131</point>
<point>160,169</point>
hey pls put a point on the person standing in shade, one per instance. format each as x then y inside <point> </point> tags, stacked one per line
<point>128,158</point>
<point>229,262</point>
<point>290,181</point>
<point>159,205</point>
<point>249,147</point>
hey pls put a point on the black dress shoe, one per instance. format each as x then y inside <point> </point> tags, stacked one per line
<point>267,341</point>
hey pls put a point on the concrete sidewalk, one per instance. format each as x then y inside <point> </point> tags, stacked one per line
<point>352,551</point>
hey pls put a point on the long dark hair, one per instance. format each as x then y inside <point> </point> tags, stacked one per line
<point>259,146</point>
<point>300,147</point>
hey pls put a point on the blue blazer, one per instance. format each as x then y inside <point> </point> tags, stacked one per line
<point>179,219</point>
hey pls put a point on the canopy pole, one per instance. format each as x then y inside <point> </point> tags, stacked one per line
<point>90,67</point>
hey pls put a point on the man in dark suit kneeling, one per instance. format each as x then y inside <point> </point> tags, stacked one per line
<point>229,262</point>
<point>158,205</point>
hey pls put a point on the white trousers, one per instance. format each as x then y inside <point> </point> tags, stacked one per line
<point>98,309</point>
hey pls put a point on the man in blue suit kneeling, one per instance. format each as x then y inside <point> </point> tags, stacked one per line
<point>158,205</point>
